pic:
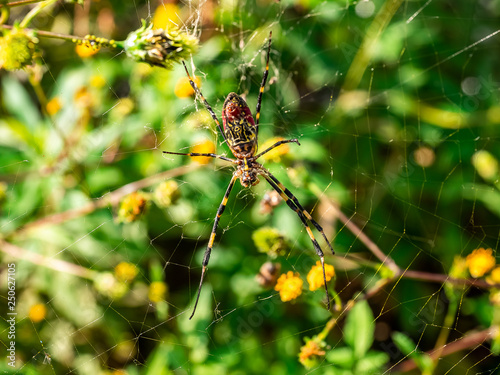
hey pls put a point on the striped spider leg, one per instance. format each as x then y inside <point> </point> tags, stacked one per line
<point>240,133</point>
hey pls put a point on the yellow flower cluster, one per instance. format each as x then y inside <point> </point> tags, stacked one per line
<point>53,106</point>
<point>494,276</point>
<point>167,193</point>
<point>205,147</point>
<point>132,207</point>
<point>276,153</point>
<point>37,312</point>
<point>183,88</point>
<point>480,261</point>
<point>315,275</point>
<point>126,272</point>
<point>289,286</point>
<point>157,291</point>
<point>310,352</point>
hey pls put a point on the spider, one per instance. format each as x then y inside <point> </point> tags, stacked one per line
<point>240,132</point>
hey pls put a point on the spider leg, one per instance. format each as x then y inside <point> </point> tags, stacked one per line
<point>294,205</point>
<point>208,107</point>
<point>208,251</point>
<point>261,91</point>
<point>276,145</point>
<point>206,155</point>
<point>299,206</point>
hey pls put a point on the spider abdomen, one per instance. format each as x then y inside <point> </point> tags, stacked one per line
<point>239,126</point>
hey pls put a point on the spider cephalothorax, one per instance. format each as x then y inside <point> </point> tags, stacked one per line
<point>240,133</point>
<point>248,172</point>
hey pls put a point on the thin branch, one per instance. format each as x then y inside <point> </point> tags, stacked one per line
<point>72,38</point>
<point>41,260</point>
<point>441,278</point>
<point>350,304</point>
<point>111,199</point>
<point>358,232</point>
<point>473,340</point>
<point>398,272</point>
<point>49,34</point>
<point>365,52</point>
<point>35,11</point>
<point>19,3</point>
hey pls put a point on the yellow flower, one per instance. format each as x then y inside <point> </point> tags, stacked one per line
<point>480,261</point>
<point>205,147</point>
<point>315,275</point>
<point>167,14</point>
<point>486,165</point>
<point>126,272</point>
<point>276,154</point>
<point>53,106</point>
<point>85,50</point>
<point>84,98</point>
<point>494,277</point>
<point>289,285</point>
<point>37,312</point>
<point>183,88</point>
<point>495,297</point>
<point>157,291</point>
<point>309,353</point>
<point>132,206</point>
<point>167,193</point>
<point>97,81</point>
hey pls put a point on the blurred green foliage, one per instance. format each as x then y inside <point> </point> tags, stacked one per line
<point>398,154</point>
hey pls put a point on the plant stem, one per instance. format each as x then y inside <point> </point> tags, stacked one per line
<point>19,3</point>
<point>365,51</point>
<point>385,259</point>
<point>49,262</point>
<point>34,12</point>
<point>350,304</point>
<point>472,340</point>
<point>441,278</point>
<point>112,199</point>
<point>49,34</point>
<point>358,232</point>
<point>444,332</point>
<point>4,15</point>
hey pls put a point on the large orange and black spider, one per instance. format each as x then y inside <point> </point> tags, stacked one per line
<point>240,133</point>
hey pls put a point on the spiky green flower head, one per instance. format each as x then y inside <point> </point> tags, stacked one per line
<point>160,47</point>
<point>17,48</point>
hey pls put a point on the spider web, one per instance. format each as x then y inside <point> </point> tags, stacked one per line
<point>385,164</point>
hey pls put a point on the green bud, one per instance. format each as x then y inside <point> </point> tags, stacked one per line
<point>107,285</point>
<point>167,193</point>
<point>269,240</point>
<point>160,47</point>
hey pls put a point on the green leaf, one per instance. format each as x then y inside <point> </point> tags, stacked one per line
<point>343,357</point>
<point>495,344</point>
<point>158,362</point>
<point>18,102</point>
<point>359,328</point>
<point>408,348</point>
<point>372,362</point>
